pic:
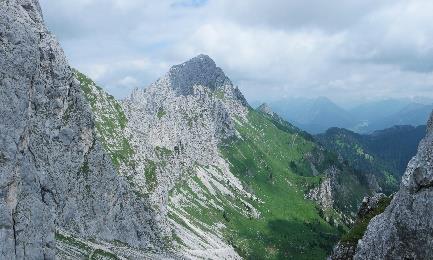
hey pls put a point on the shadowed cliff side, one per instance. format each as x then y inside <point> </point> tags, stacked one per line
<point>56,181</point>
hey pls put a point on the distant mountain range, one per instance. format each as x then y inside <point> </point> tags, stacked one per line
<point>317,115</point>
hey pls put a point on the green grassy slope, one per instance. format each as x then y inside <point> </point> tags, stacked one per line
<point>272,160</point>
<point>290,226</point>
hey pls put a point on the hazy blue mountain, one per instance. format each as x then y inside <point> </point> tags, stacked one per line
<point>313,115</point>
<point>317,115</point>
<point>412,114</point>
<point>375,110</point>
<point>291,108</point>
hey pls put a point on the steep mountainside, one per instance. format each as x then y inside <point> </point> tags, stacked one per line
<point>227,181</point>
<point>58,188</point>
<point>397,145</point>
<point>182,169</point>
<point>384,153</point>
<point>211,178</point>
<point>404,230</point>
<point>370,208</point>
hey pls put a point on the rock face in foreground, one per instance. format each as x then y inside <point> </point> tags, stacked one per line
<point>370,207</point>
<point>405,229</point>
<point>55,178</point>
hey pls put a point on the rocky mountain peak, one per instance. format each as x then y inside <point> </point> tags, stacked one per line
<point>266,109</point>
<point>198,71</point>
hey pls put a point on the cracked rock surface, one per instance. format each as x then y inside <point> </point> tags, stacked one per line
<point>54,175</point>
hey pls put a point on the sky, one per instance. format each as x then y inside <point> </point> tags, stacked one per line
<point>347,50</point>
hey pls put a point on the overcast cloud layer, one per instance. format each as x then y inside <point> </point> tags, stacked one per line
<point>346,50</point>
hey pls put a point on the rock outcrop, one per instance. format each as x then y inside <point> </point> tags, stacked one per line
<point>405,229</point>
<point>324,193</point>
<point>199,71</point>
<point>55,178</point>
<point>266,109</point>
<point>370,207</point>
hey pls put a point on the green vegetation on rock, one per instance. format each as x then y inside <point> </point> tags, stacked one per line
<point>358,230</point>
<point>150,175</point>
<point>100,254</point>
<point>270,158</point>
<point>219,93</point>
<point>161,112</point>
<point>71,241</point>
<point>163,152</point>
<point>72,247</point>
<point>110,120</point>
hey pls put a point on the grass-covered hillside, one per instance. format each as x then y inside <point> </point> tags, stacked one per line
<point>278,165</point>
<point>271,160</point>
<point>384,154</point>
<point>290,226</point>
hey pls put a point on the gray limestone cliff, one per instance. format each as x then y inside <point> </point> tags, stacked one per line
<point>405,229</point>
<point>199,71</point>
<point>175,127</point>
<point>56,181</point>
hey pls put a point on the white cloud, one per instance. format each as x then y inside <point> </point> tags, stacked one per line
<point>128,81</point>
<point>341,49</point>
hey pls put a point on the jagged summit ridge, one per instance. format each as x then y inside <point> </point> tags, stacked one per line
<point>198,76</point>
<point>265,108</point>
<point>198,71</point>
